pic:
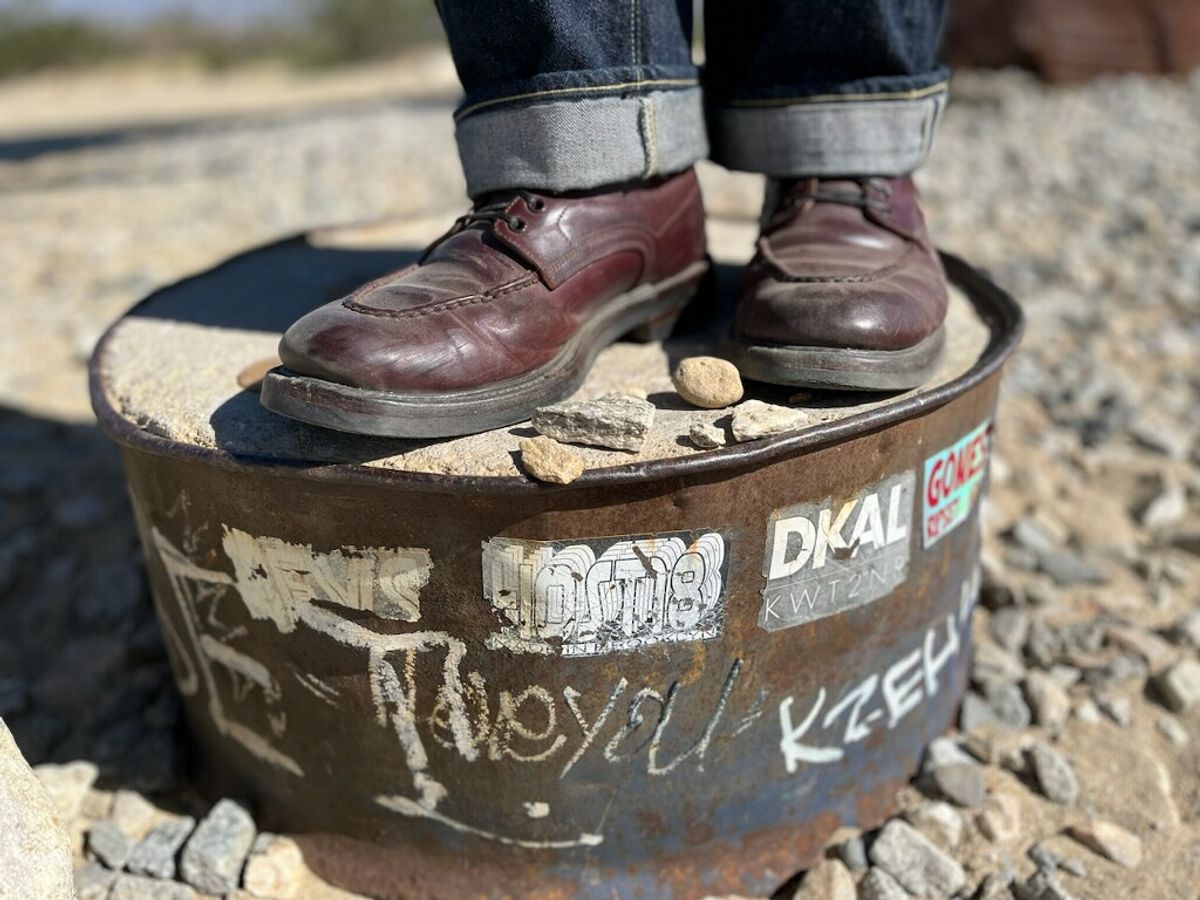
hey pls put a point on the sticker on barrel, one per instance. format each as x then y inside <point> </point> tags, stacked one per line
<point>839,553</point>
<point>602,595</point>
<point>953,482</point>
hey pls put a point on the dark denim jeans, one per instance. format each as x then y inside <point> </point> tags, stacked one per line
<point>573,94</point>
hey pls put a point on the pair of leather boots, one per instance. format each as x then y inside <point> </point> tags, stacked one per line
<point>507,311</point>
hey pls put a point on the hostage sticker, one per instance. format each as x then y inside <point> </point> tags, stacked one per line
<point>587,597</point>
<point>823,558</point>
<point>953,479</point>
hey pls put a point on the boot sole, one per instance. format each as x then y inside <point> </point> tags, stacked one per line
<point>648,312</point>
<point>832,368</point>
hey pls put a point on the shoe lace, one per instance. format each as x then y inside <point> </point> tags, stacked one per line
<point>494,208</point>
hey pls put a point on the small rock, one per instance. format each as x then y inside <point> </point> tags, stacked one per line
<point>1074,867</point>
<point>961,784</point>
<point>879,885</point>
<point>939,822</point>
<point>1068,569</point>
<point>618,421</point>
<point>708,382</point>
<point>991,664</point>
<point>1038,533</point>
<point>1179,685</point>
<point>212,860</point>
<point>943,751</point>
<point>1049,702</point>
<point>828,880</point>
<point>1172,731</point>
<point>853,853</point>
<point>915,861</point>
<point>706,436</point>
<point>135,887</point>
<point>1054,774</point>
<point>131,812</point>
<point>1156,652</point>
<point>1117,708</point>
<point>274,868</point>
<point>1110,841</point>
<point>92,881</point>
<point>35,852</point>
<point>1065,676</point>
<point>1008,705</point>
<point>547,460</point>
<point>1041,885</point>
<point>1087,711</point>
<point>1044,858</point>
<point>1169,507</point>
<point>1000,818</point>
<point>994,887</point>
<point>67,784</point>
<point>155,854</point>
<point>1187,630</point>
<point>1009,627</point>
<point>754,419</point>
<point>109,844</point>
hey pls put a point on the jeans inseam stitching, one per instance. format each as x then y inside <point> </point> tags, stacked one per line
<point>642,83</point>
<point>885,97</point>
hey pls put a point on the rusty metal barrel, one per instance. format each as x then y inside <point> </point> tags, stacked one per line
<point>676,676</point>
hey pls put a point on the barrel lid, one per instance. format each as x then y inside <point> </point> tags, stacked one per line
<point>176,375</point>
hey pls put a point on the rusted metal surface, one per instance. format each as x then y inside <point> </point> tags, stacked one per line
<point>452,687</point>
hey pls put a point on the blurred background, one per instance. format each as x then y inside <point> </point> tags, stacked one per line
<point>143,140</point>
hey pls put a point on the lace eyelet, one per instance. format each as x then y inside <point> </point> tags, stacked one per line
<point>537,204</point>
<point>518,224</point>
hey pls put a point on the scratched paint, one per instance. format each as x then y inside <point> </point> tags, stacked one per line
<point>840,553</point>
<point>586,598</point>
<point>275,578</point>
<point>881,699</point>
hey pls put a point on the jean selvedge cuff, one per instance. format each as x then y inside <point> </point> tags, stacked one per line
<point>556,145</point>
<point>886,134</point>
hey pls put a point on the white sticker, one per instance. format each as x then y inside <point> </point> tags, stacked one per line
<point>826,557</point>
<point>275,577</point>
<point>589,597</point>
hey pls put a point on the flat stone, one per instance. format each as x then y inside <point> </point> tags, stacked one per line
<point>961,784</point>
<point>617,421</point>
<point>1055,776</point>
<point>915,861</point>
<point>1000,705</point>
<point>1009,626</point>
<point>1157,652</point>
<point>1038,533</point>
<point>708,382</point>
<point>1167,508</point>
<point>275,867</point>
<point>155,854</point>
<point>940,822</point>
<point>706,436</point>
<point>996,886</point>
<point>1041,885</point>
<point>853,853</point>
<point>135,887</point>
<point>93,881</point>
<point>879,885</point>
<point>1172,730</point>
<point>213,857</point>
<point>943,751</point>
<point>1110,841</point>
<point>35,852</point>
<point>755,419</point>
<point>1179,685</point>
<point>1187,630</point>
<point>131,812</point>
<point>1000,818</point>
<point>67,784</point>
<point>992,664</point>
<point>109,844</point>
<point>827,880</point>
<point>546,459</point>
<point>1117,708</point>
<point>1068,569</point>
<point>1048,701</point>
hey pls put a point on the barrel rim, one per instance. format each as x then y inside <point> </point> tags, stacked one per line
<point>999,311</point>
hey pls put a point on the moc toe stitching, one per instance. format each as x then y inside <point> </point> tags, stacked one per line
<point>441,306</point>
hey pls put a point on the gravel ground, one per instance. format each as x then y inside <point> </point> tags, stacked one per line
<point>1077,770</point>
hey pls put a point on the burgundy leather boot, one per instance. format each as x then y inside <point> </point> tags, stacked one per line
<point>846,291</point>
<point>503,314</point>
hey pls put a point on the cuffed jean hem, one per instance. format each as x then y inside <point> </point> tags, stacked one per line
<point>853,135</point>
<point>582,143</point>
